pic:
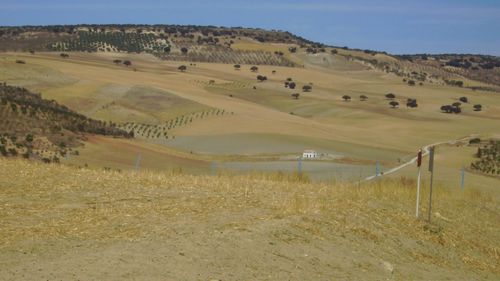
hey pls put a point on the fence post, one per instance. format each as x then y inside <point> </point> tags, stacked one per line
<point>299,166</point>
<point>462,178</point>
<point>431,169</point>
<point>137,162</point>
<point>419,163</point>
<point>377,169</point>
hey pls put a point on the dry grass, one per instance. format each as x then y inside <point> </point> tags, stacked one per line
<point>42,202</point>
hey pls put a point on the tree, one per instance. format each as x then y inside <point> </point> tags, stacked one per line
<point>478,107</point>
<point>346,98</point>
<point>464,99</point>
<point>456,109</point>
<point>411,83</point>
<point>390,96</point>
<point>291,85</point>
<point>456,104</point>
<point>117,61</point>
<point>334,51</point>
<point>254,68</point>
<point>182,68</point>
<point>237,67</point>
<point>64,55</point>
<point>29,137</point>
<point>411,103</point>
<point>446,108</point>
<point>184,50</point>
<point>127,62</point>
<point>292,49</point>
<point>295,96</point>
<point>394,104</point>
<point>261,78</point>
<point>363,97</point>
<point>306,88</point>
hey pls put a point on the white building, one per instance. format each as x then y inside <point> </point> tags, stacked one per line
<point>308,154</point>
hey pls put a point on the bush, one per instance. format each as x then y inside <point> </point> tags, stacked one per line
<point>394,104</point>
<point>261,78</point>
<point>306,88</point>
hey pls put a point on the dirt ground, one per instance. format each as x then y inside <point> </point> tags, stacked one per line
<point>64,223</point>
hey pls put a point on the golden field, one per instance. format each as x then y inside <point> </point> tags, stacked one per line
<point>61,222</point>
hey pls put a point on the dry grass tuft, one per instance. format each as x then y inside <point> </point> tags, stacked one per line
<point>40,202</point>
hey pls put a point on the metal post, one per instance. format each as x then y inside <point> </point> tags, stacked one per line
<point>377,169</point>
<point>419,163</point>
<point>431,169</point>
<point>462,178</point>
<point>138,162</point>
<point>418,190</point>
<point>299,167</point>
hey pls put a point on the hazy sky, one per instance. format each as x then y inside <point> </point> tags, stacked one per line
<point>416,26</point>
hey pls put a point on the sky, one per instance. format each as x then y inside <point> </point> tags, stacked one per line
<point>397,27</point>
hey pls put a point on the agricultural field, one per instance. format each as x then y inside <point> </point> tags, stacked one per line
<point>339,103</point>
<point>215,112</point>
<point>176,152</point>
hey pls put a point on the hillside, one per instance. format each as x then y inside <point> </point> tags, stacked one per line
<point>43,129</point>
<point>60,222</point>
<point>230,45</point>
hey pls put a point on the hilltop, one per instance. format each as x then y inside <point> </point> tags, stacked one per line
<point>227,45</point>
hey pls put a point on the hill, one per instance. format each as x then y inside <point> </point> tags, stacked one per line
<point>60,222</point>
<point>229,45</point>
<point>38,128</point>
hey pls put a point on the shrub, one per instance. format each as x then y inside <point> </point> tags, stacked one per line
<point>346,98</point>
<point>307,88</point>
<point>394,104</point>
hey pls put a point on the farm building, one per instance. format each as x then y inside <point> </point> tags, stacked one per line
<point>309,154</point>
